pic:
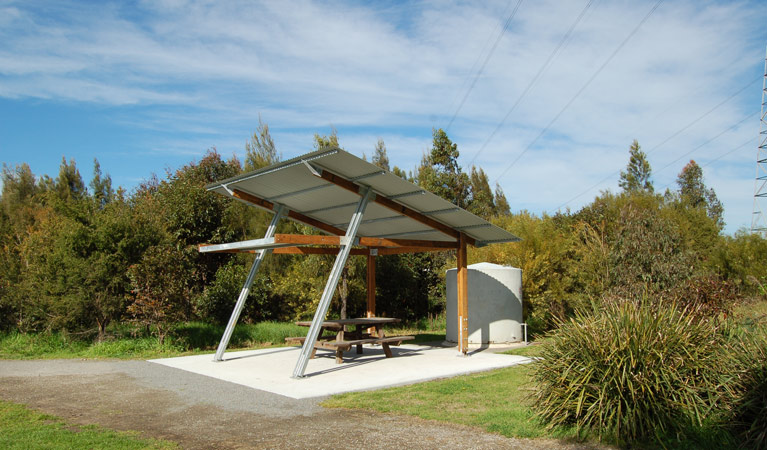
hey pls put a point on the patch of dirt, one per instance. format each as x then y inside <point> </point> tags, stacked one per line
<point>121,402</point>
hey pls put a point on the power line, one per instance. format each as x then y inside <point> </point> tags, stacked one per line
<point>583,88</point>
<point>749,141</point>
<point>675,134</point>
<point>542,69</point>
<point>706,143</point>
<point>482,68</point>
<point>486,45</point>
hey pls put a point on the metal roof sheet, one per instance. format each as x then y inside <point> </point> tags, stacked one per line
<point>292,183</point>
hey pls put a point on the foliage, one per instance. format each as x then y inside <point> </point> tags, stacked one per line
<point>160,289</point>
<point>749,419</point>
<point>23,428</point>
<point>380,158</point>
<point>636,178</point>
<point>260,151</point>
<point>492,400</point>
<point>693,193</point>
<point>440,172</point>
<point>631,372</point>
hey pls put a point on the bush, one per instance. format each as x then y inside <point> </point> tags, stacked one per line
<point>749,421</point>
<point>631,372</point>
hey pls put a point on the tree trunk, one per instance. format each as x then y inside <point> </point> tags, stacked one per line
<point>344,292</point>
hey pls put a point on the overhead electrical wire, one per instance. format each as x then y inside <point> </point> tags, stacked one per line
<point>541,70</point>
<point>480,54</point>
<point>487,58</point>
<point>706,143</point>
<point>657,146</point>
<point>749,141</point>
<point>583,88</point>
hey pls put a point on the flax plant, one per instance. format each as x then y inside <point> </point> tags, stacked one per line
<point>631,372</point>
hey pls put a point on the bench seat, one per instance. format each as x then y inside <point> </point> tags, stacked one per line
<point>342,346</point>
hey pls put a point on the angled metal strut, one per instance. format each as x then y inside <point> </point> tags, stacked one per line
<point>322,309</point>
<point>279,212</point>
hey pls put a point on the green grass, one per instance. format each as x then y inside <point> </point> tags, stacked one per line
<point>532,350</point>
<point>22,428</point>
<point>128,342</point>
<point>495,401</point>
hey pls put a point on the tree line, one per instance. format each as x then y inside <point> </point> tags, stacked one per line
<point>78,258</point>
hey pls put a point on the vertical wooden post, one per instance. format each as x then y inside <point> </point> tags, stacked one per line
<point>462,286</point>
<point>371,285</point>
<point>371,279</point>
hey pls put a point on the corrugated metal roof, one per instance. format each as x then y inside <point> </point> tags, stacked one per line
<point>295,183</point>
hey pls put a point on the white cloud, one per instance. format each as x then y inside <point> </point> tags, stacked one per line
<point>201,72</point>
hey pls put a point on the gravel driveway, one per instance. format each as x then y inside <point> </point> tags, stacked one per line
<point>202,412</point>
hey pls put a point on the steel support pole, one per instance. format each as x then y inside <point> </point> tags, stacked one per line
<point>279,212</point>
<point>330,286</point>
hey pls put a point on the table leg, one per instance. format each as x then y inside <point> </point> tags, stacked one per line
<point>386,349</point>
<point>339,356</point>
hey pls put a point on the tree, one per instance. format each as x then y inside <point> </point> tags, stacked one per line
<point>481,195</point>
<point>260,150</point>
<point>502,207</point>
<point>636,178</point>
<point>440,173</point>
<point>326,142</point>
<point>380,158</point>
<point>160,289</point>
<point>693,193</point>
<point>102,186</point>
<point>69,184</point>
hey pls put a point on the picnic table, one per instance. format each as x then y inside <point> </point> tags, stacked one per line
<point>367,330</point>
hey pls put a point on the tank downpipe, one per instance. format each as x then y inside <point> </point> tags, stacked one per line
<point>525,325</point>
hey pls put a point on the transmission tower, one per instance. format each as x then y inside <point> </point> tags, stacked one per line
<point>758,218</point>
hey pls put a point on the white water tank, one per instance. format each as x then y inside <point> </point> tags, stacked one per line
<point>495,304</point>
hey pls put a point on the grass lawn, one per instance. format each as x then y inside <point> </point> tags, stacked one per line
<point>22,428</point>
<point>124,342</point>
<point>495,401</point>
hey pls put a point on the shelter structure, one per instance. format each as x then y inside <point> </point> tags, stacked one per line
<point>361,210</point>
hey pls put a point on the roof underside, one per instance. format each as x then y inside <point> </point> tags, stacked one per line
<point>299,185</point>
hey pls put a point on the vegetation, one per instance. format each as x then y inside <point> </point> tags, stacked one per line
<point>495,401</point>
<point>88,269</point>
<point>22,428</point>
<point>127,342</point>
<point>632,372</point>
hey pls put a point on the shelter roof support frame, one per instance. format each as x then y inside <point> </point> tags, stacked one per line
<point>330,286</point>
<point>279,212</point>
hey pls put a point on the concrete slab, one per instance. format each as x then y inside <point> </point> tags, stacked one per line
<point>271,369</point>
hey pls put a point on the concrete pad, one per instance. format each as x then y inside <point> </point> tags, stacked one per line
<point>271,369</point>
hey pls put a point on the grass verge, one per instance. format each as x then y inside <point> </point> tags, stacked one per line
<point>127,342</point>
<point>495,401</point>
<point>22,428</point>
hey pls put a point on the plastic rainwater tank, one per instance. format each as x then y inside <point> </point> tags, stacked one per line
<point>495,304</point>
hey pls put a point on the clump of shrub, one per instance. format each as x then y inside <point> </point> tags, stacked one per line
<point>749,419</point>
<point>631,372</point>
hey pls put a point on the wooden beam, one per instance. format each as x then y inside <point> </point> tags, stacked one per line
<point>302,239</point>
<point>394,206</point>
<point>371,282</point>
<point>250,198</point>
<point>462,286</point>
<point>317,251</point>
<point>385,242</point>
<point>401,250</point>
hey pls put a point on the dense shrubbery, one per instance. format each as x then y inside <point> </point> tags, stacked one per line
<point>78,258</point>
<point>653,372</point>
<point>632,372</point>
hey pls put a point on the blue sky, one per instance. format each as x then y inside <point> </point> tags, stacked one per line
<point>150,86</point>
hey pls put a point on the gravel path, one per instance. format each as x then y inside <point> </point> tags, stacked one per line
<point>202,412</point>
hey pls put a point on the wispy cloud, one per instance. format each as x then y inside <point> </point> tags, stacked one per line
<point>199,73</point>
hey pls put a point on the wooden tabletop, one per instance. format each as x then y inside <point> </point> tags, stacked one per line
<point>371,321</point>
